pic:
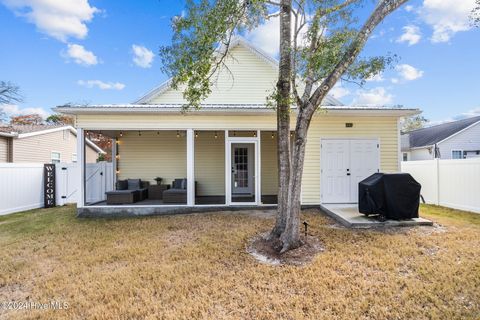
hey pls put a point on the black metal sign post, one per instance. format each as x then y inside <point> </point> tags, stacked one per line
<point>49,185</point>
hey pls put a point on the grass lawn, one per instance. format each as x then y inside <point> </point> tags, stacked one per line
<point>196,267</point>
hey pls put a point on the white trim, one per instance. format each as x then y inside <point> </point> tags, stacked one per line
<point>81,163</point>
<point>228,180</point>
<point>190,167</point>
<point>399,146</point>
<point>8,135</point>
<point>458,132</point>
<point>236,109</point>
<point>258,170</point>
<point>228,168</point>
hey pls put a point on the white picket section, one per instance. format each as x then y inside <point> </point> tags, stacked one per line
<point>21,185</point>
<point>449,183</point>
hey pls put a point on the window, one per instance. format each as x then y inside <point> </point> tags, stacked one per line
<point>55,157</point>
<point>457,154</point>
<point>66,135</point>
<point>74,157</point>
<point>405,156</point>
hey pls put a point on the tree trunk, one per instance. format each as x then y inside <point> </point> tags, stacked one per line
<point>291,236</point>
<point>283,118</point>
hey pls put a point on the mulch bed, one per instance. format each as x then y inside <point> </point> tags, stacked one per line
<point>268,251</point>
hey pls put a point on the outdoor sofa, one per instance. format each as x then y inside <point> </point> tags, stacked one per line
<point>128,191</point>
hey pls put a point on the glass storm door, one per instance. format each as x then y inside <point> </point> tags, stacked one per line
<point>243,169</point>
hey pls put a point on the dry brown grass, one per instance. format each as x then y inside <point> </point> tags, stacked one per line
<point>196,267</point>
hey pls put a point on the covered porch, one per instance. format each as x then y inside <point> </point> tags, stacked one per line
<point>184,168</point>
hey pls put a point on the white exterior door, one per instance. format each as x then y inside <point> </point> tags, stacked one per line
<point>344,163</point>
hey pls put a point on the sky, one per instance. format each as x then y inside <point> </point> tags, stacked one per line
<point>106,52</point>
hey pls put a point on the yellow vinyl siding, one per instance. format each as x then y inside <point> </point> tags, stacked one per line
<point>4,149</point>
<point>322,126</point>
<point>152,155</point>
<point>210,163</point>
<point>235,84</point>
<point>269,164</point>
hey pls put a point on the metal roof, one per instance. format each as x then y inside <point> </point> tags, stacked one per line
<point>223,108</point>
<point>429,136</point>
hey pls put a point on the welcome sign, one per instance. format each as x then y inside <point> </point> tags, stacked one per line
<point>49,185</point>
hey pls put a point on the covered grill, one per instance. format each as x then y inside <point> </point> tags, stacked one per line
<point>392,196</point>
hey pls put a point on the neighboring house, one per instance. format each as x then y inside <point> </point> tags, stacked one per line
<point>452,140</point>
<point>42,143</point>
<point>227,149</point>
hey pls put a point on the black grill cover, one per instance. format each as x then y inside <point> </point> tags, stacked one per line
<point>393,196</point>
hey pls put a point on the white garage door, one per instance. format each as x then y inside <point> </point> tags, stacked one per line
<point>344,163</point>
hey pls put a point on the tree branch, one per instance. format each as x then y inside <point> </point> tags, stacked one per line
<point>380,12</point>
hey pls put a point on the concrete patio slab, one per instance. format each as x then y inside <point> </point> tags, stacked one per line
<point>348,216</point>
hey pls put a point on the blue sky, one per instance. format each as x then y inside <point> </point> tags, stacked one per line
<point>98,51</point>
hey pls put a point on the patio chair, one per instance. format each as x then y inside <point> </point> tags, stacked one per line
<point>178,192</point>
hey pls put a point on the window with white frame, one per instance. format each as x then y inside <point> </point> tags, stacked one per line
<point>457,154</point>
<point>74,157</point>
<point>55,157</point>
<point>66,135</point>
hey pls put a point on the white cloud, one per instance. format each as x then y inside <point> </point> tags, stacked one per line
<point>142,56</point>
<point>267,35</point>
<point>408,72</point>
<point>411,34</point>
<point>59,19</point>
<point>339,91</point>
<point>13,110</point>
<point>446,17</point>
<point>374,97</point>
<point>376,78</point>
<point>80,55</point>
<point>101,85</point>
<point>409,8</point>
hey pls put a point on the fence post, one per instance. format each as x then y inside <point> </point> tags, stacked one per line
<point>437,181</point>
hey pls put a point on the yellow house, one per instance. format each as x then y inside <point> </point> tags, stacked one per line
<point>224,154</point>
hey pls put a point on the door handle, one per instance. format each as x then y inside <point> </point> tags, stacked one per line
<point>348,174</point>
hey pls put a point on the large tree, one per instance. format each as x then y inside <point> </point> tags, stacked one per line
<point>320,44</point>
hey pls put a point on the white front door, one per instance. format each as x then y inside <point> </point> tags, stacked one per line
<point>242,169</point>
<point>344,163</point>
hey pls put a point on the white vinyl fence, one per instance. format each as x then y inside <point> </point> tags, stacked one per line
<point>21,185</point>
<point>449,183</point>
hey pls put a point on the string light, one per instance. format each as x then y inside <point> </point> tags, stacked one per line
<point>234,133</point>
<point>158,133</point>
<point>139,133</point>
<point>121,133</point>
<point>178,134</point>
<point>196,134</point>
<point>254,133</point>
<point>273,135</point>
<point>216,135</point>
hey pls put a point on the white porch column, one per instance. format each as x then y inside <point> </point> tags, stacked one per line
<point>190,167</point>
<point>81,164</point>
<point>114,161</point>
<point>258,173</point>
<point>228,171</point>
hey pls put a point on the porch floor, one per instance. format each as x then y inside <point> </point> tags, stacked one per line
<point>201,200</point>
<point>348,216</point>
